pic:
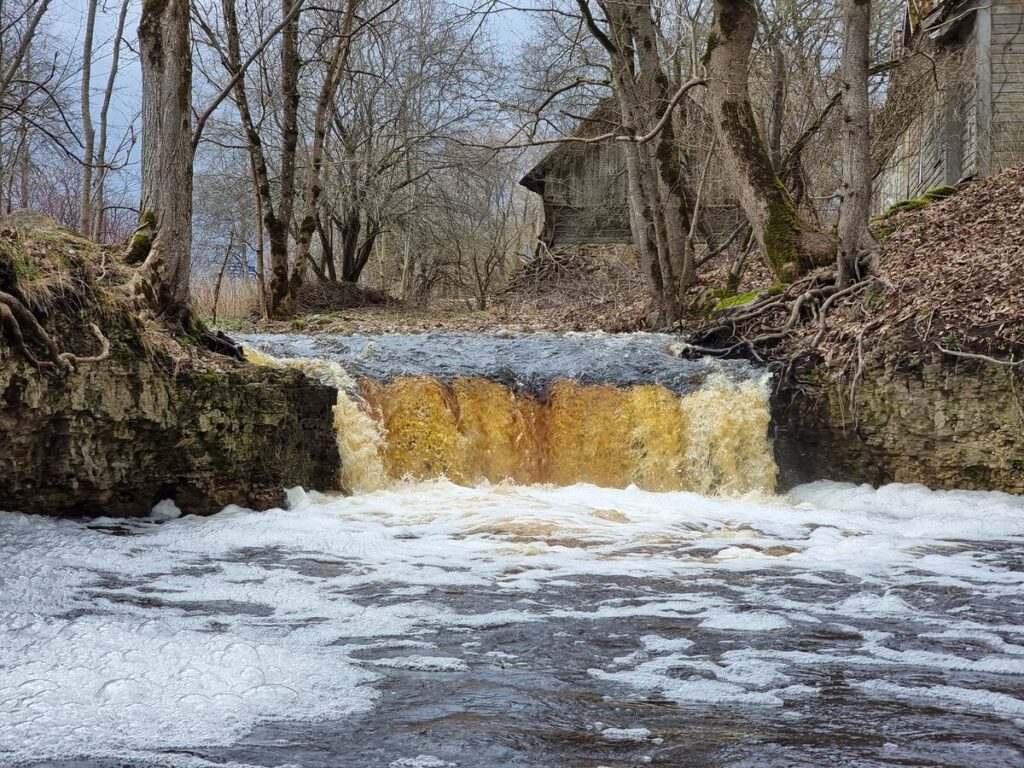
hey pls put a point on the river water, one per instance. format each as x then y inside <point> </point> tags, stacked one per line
<point>429,624</point>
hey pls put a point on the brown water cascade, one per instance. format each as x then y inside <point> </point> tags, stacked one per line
<point>711,440</point>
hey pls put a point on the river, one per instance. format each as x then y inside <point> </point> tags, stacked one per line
<point>432,624</point>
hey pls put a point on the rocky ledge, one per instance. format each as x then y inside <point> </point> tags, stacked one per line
<point>945,423</point>
<point>151,417</point>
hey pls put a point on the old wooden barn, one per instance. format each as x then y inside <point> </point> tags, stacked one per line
<point>585,189</point>
<point>955,106</point>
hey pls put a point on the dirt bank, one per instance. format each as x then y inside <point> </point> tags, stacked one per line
<point>137,415</point>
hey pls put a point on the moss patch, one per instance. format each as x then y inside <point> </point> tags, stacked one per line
<point>915,203</point>
<point>730,302</point>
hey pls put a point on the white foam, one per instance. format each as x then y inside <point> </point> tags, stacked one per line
<point>192,631</point>
<point>746,621</point>
<point>423,663</point>
<point>655,643</point>
<point>970,699</point>
<point>626,734</point>
<point>421,761</point>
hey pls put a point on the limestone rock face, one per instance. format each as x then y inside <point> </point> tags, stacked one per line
<point>940,422</point>
<point>116,437</point>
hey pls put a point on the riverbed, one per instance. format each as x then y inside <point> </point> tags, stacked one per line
<point>430,625</point>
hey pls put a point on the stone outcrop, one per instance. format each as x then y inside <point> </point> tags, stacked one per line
<point>116,437</point>
<point>940,421</point>
<point>103,412</point>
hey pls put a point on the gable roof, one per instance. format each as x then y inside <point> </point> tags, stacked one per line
<point>601,119</point>
<point>926,16</point>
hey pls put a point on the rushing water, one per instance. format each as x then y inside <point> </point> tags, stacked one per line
<point>430,624</point>
<point>615,411</point>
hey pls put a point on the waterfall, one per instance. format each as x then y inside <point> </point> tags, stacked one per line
<point>713,439</point>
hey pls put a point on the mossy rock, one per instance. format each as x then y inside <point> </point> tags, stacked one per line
<point>142,240</point>
<point>740,300</point>
<point>915,203</point>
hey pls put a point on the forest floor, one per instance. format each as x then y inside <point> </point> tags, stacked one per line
<point>501,317</point>
<point>945,279</point>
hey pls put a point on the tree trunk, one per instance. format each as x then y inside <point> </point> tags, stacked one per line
<point>220,275</point>
<point>165,50</point>
<point>281,303</point>
<point>276,219</point>
<point>260,242</point>
<point>99,196</point>
<point>789,244</point>
<point>677,258</point>
<point>329,88</point>
<point>659,211</point>
<point>854,236</point>
<point>327,246</point>
<point>85,212</point>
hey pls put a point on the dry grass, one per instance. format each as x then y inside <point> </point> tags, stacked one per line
<point>239,298</point>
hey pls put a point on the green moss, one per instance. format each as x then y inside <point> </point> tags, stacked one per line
<point>298,324</point>
<point>25,268</point>
<point>881,233</point>
<point>730,302</point>
<point>915,203</point>
<point>781,231</point>
<point>142,240</point>
<point>939,193</point>
<point>193,334</point>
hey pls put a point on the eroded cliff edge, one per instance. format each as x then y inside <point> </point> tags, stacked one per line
<point>155,418</point>
<point>919,376</point>
<point>939,422</point>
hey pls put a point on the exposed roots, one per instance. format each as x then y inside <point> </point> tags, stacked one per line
<point>794,325</point>
<point>757,328</point>
<point>21,328</point>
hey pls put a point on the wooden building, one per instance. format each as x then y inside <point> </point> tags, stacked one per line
<point>955,108</point>
<point>584,186</point>
<point>586,191</point>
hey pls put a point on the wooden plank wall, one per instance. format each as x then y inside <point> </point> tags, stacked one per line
<point>1007,72</point>
<point>940,145</point>
<point>587,191</point>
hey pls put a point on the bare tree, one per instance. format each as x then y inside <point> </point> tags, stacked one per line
<point>85,218</point>
<point>165,225</point>
<point>789,243</point>
<point>100,160</point>
<point>853,215</point>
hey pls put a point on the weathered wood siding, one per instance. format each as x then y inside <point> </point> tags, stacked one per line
<point>972,120</point>
<point>1007,72</point>
<point>586,189</point>
<point>939,144</point>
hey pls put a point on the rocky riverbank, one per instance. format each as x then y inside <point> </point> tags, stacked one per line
<point>919,377</point>
<point>945,423</point>
<point>138,415</point>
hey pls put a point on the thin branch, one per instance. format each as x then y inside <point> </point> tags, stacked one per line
<point>984,358</point>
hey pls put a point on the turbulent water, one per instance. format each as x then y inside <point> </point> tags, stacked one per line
<point>614,411</point>
<point>437,625</point>
<point>429,624</point>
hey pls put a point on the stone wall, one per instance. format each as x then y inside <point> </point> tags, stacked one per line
<point>939,421</point>
<point>113,438</point>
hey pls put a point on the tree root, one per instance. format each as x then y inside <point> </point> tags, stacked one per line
<point>20,327</point>
<point>222,344</point>
<point>754,330</point>
<point>983,358</point>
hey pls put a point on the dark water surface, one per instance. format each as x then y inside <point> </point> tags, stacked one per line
<point>529,363</point>
<point>433,625</point>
